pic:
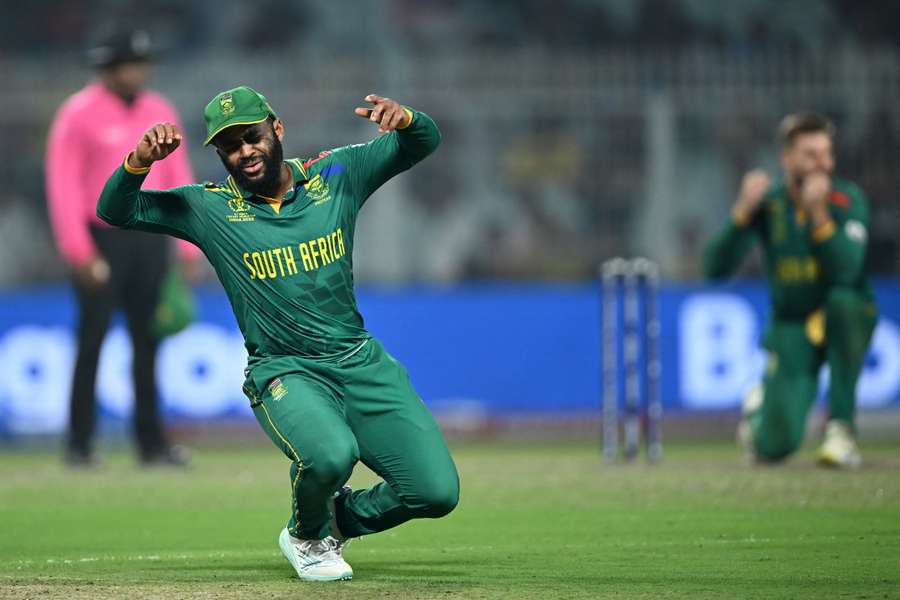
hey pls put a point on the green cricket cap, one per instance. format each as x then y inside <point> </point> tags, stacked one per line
<point>239,106</point>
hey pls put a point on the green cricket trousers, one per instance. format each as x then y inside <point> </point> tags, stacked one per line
<point>838,334</point>
<point>326,416</point>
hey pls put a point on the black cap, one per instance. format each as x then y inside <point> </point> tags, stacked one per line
<point>120,46</point>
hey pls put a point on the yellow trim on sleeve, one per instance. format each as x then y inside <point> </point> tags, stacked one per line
<point>411,116</point>
<point>134,170</point>
<point>823,232</point>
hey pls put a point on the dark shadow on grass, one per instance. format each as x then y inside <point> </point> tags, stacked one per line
<point>418,569</point>
<point>403,572</point>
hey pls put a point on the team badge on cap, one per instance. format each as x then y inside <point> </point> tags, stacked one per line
<point>226,104</point>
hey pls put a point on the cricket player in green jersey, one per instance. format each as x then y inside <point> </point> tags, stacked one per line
<point>813,231</point>
<point>279,234</point>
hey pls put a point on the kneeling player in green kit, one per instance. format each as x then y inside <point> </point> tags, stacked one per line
<point>813,230</point>
<point>279,234</point>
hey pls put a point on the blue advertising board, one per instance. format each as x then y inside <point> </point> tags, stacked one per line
<point>503,349</point>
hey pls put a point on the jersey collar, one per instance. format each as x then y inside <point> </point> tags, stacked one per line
<point>297,169</point>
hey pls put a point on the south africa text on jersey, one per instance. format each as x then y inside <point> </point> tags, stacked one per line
<point>281,262</point>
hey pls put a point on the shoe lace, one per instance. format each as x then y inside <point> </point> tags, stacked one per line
<point>340,544</point>
<point>319,550</point>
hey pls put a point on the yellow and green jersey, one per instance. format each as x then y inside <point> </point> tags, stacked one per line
<point>801,263</point>
<point>287,268</point>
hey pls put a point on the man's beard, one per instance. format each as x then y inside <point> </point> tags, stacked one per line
<point>271,176</point>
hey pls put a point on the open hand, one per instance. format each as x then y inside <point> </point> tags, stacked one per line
<point>157,143</point>
<point>389,114</point>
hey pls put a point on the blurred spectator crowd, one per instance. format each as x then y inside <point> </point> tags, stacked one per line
<point>574,130</point>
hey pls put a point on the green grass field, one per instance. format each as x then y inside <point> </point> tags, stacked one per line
<point>533,522</point>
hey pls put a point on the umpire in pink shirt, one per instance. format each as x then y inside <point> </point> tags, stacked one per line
<point>92,131</point>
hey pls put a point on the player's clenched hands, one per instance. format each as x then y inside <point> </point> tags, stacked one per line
<point>814,191</point>
<point>157,143</point>
<point>753,188</point>
<point>389,114</point>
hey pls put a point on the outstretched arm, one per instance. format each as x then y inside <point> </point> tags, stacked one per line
<point>727,249</point>
<point>408,137</point>
<point>123,204</point>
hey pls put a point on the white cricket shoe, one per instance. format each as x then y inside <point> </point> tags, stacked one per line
<point>314,560</point>
<point>751,403</point>
<point>839,448</point>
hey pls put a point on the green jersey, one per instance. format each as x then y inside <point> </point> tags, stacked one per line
<point>801,264</point>
<point>287,269</point>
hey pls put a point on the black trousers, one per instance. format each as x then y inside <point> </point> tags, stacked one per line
<point>138,263</point>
